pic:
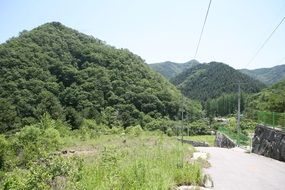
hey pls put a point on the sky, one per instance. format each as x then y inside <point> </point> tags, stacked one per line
<point>164,30</point>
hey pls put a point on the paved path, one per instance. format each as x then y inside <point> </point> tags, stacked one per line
<point>232,169</point>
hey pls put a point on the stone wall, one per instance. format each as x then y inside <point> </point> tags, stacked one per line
<point>194,143</point>
<point>223,141</point>
<point>269,142</point>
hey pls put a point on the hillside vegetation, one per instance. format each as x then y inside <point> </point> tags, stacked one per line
<point>268,76</point>
<point>57,70</point>
<point>269,99</point>
<point>170,69</point>
<point>48,155</point>
<point>211,80</point>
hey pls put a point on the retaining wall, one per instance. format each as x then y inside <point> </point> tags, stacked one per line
<point>223,141</point>
<point>194,143</point>
<point>269,142</point>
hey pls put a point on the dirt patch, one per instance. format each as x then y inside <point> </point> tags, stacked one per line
<point>78,151</point>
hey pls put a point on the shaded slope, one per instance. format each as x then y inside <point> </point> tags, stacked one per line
<point>268,76</point>
<point>212,80</point>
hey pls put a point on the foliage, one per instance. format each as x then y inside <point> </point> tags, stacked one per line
<point>145,162</point>
<point>134,130</point>
<point>272,119</point>
<point>57,70</point>
<point>47,173</point>
<point>27,160</point>
<point>270,99</point>
<point>211,80</point>
<point>32,142</point>
<point>199,127</point>
<point>3,148</point>
<point>224,105</point>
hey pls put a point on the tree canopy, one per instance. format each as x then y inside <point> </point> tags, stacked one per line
<point>208,81</point>
<point>57,70</point>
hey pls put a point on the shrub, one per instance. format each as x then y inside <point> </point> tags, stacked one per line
<point>46,174</point>
<point>198,128</point>
<point>135,130</point>
<point>33,142</point>
<point>169,132</point>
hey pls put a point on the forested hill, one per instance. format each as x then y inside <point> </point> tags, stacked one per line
<point>268,76</point>
<point>211,80</point>
<point>70,75</point>
<point>170,69</point>
<point>269,99</point>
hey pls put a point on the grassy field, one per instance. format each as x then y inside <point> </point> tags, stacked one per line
<point>147,161</point>
<point>210,139</point>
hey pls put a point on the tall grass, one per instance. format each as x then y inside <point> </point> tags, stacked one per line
<point>144,162</point>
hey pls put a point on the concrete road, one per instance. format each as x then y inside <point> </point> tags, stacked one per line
<point>232,169</point>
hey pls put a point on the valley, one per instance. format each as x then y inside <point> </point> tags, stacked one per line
<point>78,113</point>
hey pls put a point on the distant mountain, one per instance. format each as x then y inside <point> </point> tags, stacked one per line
<point>268,76</point>
<point>170,69</point>
<point>269,99</point>
<point>211,80</point>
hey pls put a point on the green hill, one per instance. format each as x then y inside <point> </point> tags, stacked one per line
<point>269,99</point>
<point>71,76</point>
<point>170,69</point>
<point>268,76</point>
<point>211,80</point>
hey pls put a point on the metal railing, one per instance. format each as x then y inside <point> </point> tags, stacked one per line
<point>272,119</point>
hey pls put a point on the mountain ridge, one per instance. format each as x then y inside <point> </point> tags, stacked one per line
<point>213,79</point>
<point>169,69</point>
<point>268,76</point>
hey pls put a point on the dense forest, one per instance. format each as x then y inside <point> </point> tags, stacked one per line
<point>268,76</point>
<point>224,105</point>
<point>170,69</point>
<point>208,81</point>
<point>69,75</point>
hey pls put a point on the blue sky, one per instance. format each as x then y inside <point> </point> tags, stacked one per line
<point>161,30</point>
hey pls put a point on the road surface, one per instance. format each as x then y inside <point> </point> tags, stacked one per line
<point>232,169</point>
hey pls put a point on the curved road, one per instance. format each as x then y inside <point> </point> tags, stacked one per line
<point>235,170</point>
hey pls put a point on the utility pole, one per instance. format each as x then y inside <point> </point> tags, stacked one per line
<point>238,114</point>
<point>182,119</point>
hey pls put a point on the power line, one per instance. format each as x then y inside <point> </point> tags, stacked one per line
<point>265,42</point>
<point>203,28</point>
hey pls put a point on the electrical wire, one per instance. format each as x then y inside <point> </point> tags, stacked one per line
<point>265,42</point>
<point>203,28</point>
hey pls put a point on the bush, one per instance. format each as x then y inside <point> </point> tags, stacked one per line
<point>33,142</point>
<point>134,131</point>
<point>162,124</point>
<point>169,132</point>
<point>46,173</point>
<point>73,117</point>
<point>198,128</point>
